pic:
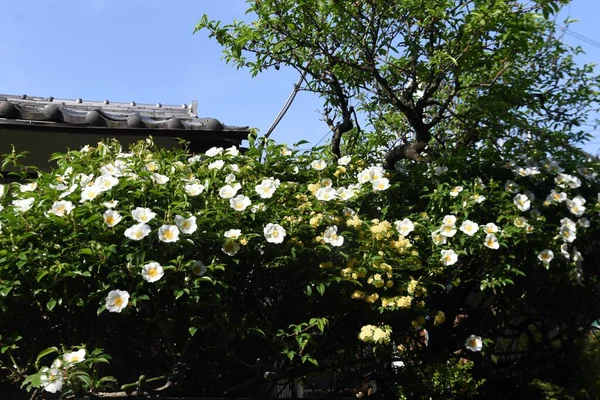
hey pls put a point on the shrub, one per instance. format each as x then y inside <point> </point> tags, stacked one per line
<point>228,273</point>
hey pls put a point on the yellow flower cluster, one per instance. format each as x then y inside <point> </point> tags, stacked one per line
<point>415,289</point>
<point>439,318</point>
<point>397,302</point>
<point>316,220</point>
<point>381,229</point>
<point>375,334</point>
<point>313,187</point>
<point>401,245</point>
<point>360,295</point>
<point>354,222</point>
<point>339,171</point>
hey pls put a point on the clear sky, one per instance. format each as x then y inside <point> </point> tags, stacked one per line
<point>144,51</point>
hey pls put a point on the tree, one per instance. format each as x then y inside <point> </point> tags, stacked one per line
<point>455,71</point>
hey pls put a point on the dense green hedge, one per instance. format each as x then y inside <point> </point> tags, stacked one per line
<point>224,273</point>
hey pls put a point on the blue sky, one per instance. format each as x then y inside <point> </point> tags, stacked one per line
<point>144,51</point>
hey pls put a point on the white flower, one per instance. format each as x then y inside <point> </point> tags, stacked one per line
<point>348,212</point>
<point>490,228</point>
<point>74,357</point>
<point>521,222</point>
<point>285,151</point>
<point>344,160</point>
<point>583,222</point>
<point>274,233</point>
<point>228,191</point>
<point>478,198</point>
<point>474,343</point>
<point>318,165</point>
<point>106,182</point>
<point>89,193</point>
<point>564,250</point>
<point>449,257</point>
<point>214,151</point>
<point>404,227</point>
<point>232,151</point>
<point>511,186</point>
<point>68,191</point>
<point>117,300</point>
<point>566,180</point>
<point>330,236</point>
<point>232,233</point>
<point>371,174</point>
<point>168,233</point>
<point>117,169</point>
<point>51,379</point>
<point>111,204</point>
<point>194,189</point>
<point>449,220</point>
<point>61,208</point>
<point>84,179</point>
<point>141,214</point>
<point>194,159</point>
<point>151,166</point>
<point>186,225</point>
<point>569,223</point>
<point>240,202</point>
<point>152,272</point>
<point>23,205</point>
<point>575,206</point>
<point>522,202</point>
<point>456,190</point>
<point>216,164</point>
<point>159,179</point>
<point>491,241</point>
<point>111,218</point>
<point>266,188</point>
<point>469,227</point>
<point>230,178</point>
<point>198,268</point>
<point>29,187</point>
<point>380,184</point>
<point>440,170</point>
<point>230,247</point>
<point>556,197</point>
<point>567,234</point>
<point>326,194</point>
<point>345,193</point>
<point>546,256</point>
<point>447,230</point>
<point>2,191</point>
<point>438,238</point>
<point>137,232</point>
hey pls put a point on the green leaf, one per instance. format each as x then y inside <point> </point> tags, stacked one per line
<point>45,352</point>
<point>192,330</point>
<point>321,288</point>
<point>51,304</point>
<point>308,290</point>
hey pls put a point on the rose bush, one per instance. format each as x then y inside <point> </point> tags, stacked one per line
<point>229,272</point>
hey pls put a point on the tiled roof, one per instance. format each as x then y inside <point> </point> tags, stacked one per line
<point>168,120</point>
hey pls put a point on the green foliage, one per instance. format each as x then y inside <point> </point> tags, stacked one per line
<point>449,380</point>
<point>254,272</point>
<point>429,73</point>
